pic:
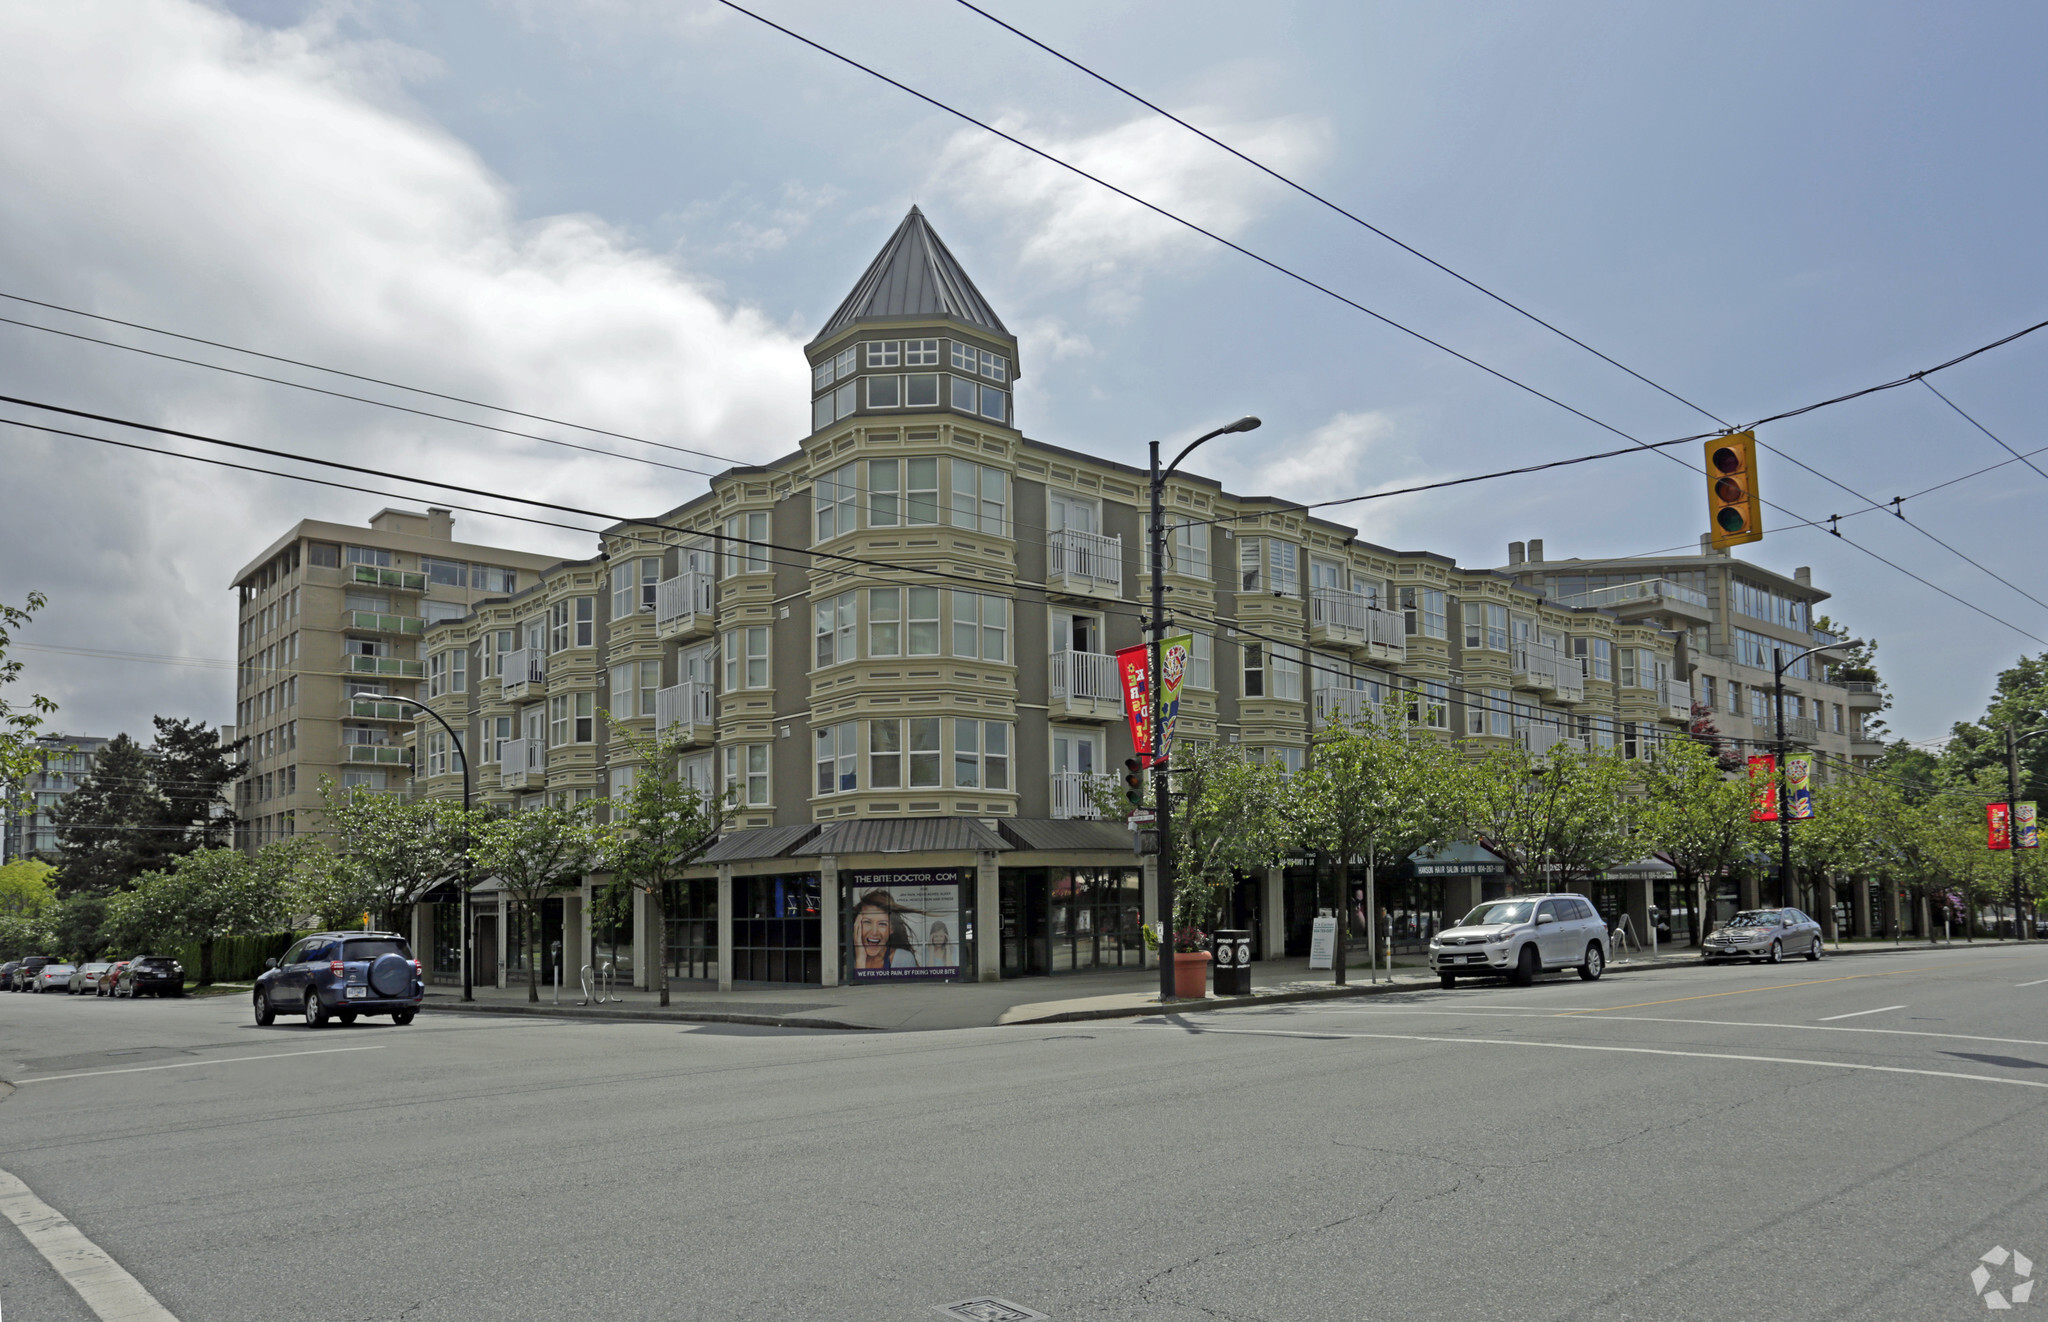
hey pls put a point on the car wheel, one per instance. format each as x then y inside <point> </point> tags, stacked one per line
<point>265,1015</point>
<point>1596,963</point>
<point>1777,955</point>
<point>1527,966</point>
<point>1813,952</point>
<point>316,1013</point>
<point>1446,980</point>
<point>401,1017</point>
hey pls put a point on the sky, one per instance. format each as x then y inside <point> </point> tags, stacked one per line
<point>632,217</point>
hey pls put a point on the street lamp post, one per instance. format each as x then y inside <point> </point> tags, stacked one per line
<point>2012,794</point>
<point>1779,662</point>
<point>1162,804</point>
<point>415,702</point>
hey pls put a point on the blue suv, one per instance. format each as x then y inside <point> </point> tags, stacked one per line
<point>342,975</point>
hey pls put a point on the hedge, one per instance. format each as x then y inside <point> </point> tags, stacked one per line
<point>236,958</point>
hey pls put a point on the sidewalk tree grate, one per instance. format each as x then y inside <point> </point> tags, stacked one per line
<point>990,1309</point>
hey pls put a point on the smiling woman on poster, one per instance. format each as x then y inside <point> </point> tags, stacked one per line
<point>881,938</point>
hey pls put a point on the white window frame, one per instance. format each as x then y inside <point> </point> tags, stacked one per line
<point>748,668</point>
<point>835,630</point>
<point>982,504</point>
<point>747,526</point>
<point>835,751</point>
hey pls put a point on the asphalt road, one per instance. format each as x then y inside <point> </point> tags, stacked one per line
<point>1833,1140</point>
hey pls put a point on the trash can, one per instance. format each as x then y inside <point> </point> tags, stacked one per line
<point>1232,971</point>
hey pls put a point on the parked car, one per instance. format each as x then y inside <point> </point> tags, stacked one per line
<point>105,986</point>
<point>153,975</point>
<point>54,977</point>
<point>86,977</point>
<point>7,972</point>
<point>24,975</point>
<point>342,975</point>
<point>1521,937</point>
<point>1760,935</point>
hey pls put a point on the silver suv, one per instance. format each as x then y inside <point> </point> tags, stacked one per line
<point>1520,938</point>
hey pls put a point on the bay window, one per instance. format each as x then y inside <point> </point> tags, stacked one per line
<point>835,757</point>
<point>834,629</point>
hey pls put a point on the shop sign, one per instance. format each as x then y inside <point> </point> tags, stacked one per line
<point>1322,942</point>
<point>1763,805</point>
<point>903,925</point>
<point>1799,787</point>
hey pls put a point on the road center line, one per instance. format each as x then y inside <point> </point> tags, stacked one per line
<point>1828,1019</point>
<point>2035,983</point>
<point>1708,1023</point>
<point>188,1064</point>
<point>1198,1031</point>
<point>105,1286</point>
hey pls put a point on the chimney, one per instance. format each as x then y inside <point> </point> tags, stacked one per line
<point>1535,550</point>
<point>1514,554</point>
<point>1803,576</point>
<point>440,524</point>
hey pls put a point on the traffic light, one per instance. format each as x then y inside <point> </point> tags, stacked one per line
<point>1735,512</point>
<point>1134,784</point>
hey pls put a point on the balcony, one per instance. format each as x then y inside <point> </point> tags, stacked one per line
<point>372,622</point>
<point>1350,706</point>
<point>1084,564</point>
<point>1675,697</point>
<point>385,665</point>
<point>1863,695</point>
<point>1633,601</point>
<point>372,576</point>
<point>683,606</point>
<point>1801,730</point>
<point>1084,686</point>
<point>1338,618</point>
<point>371,709</point>
<point>522,669</point>
<point>1537,666</point>
<point>391,755</point>
<point>522,764</point>
<point>686,711</point>
<point>1546,741</point>
<point>1074,793</point>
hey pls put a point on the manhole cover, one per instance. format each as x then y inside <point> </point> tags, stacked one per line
<point>988,1309</point>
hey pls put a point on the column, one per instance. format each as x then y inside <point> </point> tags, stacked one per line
<point>1150,895</point>
<point>1272,914</point>
<point>725,927</point>
<point>575,935</point>
<point>828,920</point>
<point>988,919</point>
<point>1745,892</point>
<point>1889,918</point>
<point>422,937</point>
<point>504,902</point>
<point>1859,906</point>
<point>1637,897</point>
<point>645,949</point>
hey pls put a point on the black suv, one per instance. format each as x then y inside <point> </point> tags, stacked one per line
<point>151,975</point>
<point>340,975</point>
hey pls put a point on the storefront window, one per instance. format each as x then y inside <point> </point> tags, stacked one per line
<point>690,909</point>
<point>447,935</point>
<point>1061,920</point>
<point>775,935</point>
<point>535,932</point>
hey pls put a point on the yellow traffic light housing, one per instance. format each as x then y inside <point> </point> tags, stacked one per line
<point>1735,511</point>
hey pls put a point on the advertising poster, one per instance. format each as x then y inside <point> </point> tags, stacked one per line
<point>1132,667</point>
<point>2025,835</point>
<point>903,925</point>
<point>1174,654</point>
<point>1997,826</point>
<point>1763,791</point>
<point>1799,787</point>
<point>1322,942</point>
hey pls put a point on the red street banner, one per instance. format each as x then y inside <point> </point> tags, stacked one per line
<point>1763,786</point>
<point>1133,667</point>
<point>1997,826</point>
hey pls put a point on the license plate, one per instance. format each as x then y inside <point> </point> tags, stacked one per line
<point>357,993</point>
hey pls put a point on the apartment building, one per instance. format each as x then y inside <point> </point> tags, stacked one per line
<point>1735,618</point>
<point>27,827</point>
<point>328,625</point>
<point>893,647</point>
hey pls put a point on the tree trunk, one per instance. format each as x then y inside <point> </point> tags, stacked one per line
<point>206,961</point>
<point>536,952</point>
<point>1338,972</point>
<point>657,943</point>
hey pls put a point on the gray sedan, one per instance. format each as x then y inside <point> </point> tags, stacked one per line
<point>1763,936</point>
<point>87,978</point>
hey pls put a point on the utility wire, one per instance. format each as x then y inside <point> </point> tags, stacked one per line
<point>2016,455</point>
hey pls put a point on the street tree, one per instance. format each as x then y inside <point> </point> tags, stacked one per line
<point>20,757</point>
<point>661,827</point>
<point>26,890</point>
<point>388,852</point>
<point>192,770</point>
<point>1560,818</point>
<point>532,853</point>
<point>1697,817</point>
<point>1373,789</point>
<point>106,826</point>
<point>1831,847</point>
<point>1225,821</point>
<point>202,897</point>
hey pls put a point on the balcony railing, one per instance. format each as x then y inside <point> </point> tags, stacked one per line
<point>680,600</point>
<point>1676,696</point>
<point>519,758</point>
<point>1649,590</point>
<point>523,666</point>
<point>385,665</point>
<point>384,754</point>
<point>402,579</point>
<point>689,704</point>
<point>1536,666</point>
<point>370,709</point>
<point>373,622</point>
<point>1086,675</point>
<point>1085,562</point>
<point>1074,793</point>
<point>1548,740</point>
<point>1342,618</point>
<point>1798,730</point>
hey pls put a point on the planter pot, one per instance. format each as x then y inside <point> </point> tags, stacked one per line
<point>1191,975</point>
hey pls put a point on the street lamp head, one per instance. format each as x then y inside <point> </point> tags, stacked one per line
<point>1246,423</point>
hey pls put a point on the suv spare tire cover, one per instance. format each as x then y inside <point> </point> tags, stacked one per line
<point>391,975</point>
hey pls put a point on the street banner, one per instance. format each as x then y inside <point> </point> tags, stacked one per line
<point>1133,666</point>
<point>1763,789</point>
<point>2025,836</point>
<point>1174,654</point>
<point>903,926</point>
<point>1997,826</point>
<point>1799,787</point>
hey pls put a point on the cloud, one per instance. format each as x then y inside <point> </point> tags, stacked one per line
<point>1077,233</point>
<point>170,164</point>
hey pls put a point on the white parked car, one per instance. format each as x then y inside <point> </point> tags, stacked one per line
<point>1521,937</point>
<point>53,977</point>
<point>87,978</point>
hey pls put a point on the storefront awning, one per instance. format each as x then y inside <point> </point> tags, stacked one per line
<point>905,835</point>
<point>1074,835</point>
<point>1462,858</point>
<point>1651,867</point>
<point>768,842</point>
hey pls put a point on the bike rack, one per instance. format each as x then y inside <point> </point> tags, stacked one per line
<point>601,985</point>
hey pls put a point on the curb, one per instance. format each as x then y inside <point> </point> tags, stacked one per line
<point>651,1016</point>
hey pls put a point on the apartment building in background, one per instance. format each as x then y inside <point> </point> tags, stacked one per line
<point>1734,617</point>
<point>893,647</point>
<point>328,626</point>
<point>27,829</point>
